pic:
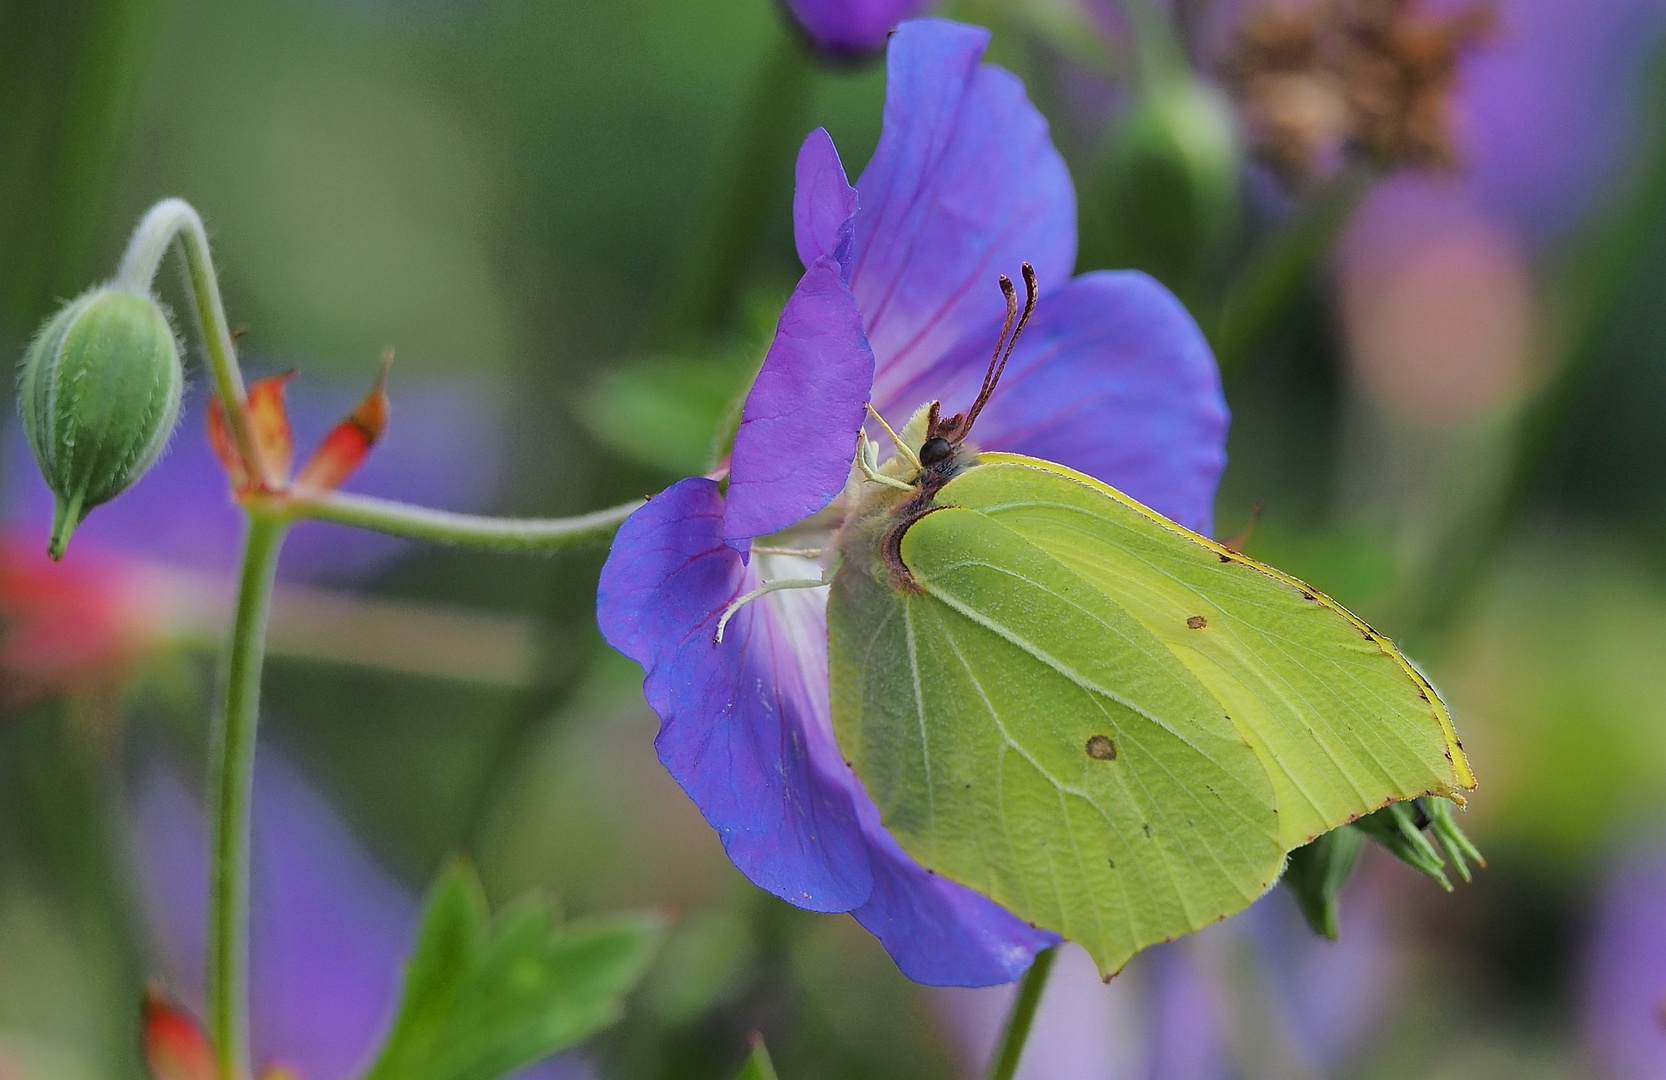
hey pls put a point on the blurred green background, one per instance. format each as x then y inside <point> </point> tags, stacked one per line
<point>519,194</point>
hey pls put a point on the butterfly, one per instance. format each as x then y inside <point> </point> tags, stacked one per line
<point>1114,726</point>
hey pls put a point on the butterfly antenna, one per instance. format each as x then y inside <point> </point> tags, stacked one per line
<point>1011,295</point>
<point>998,362</point>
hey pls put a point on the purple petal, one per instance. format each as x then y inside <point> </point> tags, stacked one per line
<point>443,448</point>
<point>746,728</point>
<point>745,725</point>
<point>938,932</point>
<point>797,433</point>
<point>823,203</point>
<point>853,26</point>
<point>1625,1002</point>
<point>965,185</point>
<point>329,931</point>
<point>1112,378</point>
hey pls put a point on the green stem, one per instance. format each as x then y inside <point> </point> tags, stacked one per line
<point>1005,1062</point>
<point>1277,267</point>
<point>232,759</point>
<point>1159,54</point>
<point>176,219</point>
<point>444,527</point>
<point>757,154</point>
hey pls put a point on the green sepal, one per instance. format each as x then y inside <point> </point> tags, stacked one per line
<point>758,1066</point>
<point>1316,873</point>
<point>1445,827</point>
<point>99,389</point>
<point>1400,826</point>
<point>483,998</point>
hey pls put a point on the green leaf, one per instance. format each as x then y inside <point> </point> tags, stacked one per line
<point>758,1066</point>
<point>1112,726</point>
<point>482,1000</point>
<point>1316,873</point>
<point>667,412</point>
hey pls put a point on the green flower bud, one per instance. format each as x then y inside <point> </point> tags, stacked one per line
<point>100,392</point>
<point>1168,183</point>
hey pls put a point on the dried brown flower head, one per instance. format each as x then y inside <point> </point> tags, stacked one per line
<point>1324,81</point>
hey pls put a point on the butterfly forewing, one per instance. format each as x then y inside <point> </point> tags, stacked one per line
<point>1340,719</point>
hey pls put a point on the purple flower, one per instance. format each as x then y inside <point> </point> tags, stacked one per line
<point>853,27</point>
<point>898,306</point>
<point>1625,997</point>
<point>329,931</point>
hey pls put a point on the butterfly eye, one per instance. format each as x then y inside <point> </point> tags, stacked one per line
<point>935,450</point>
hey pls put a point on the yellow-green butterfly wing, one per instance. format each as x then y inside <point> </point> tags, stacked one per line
<point>1111,725</point>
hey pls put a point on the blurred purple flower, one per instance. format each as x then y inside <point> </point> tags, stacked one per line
<point>443,448</point>
<point>853,27</point>
<point>1327,998</point>
<point>1435,271</point>
<point>1549,104</point>
<point>1625,989</point>
<point>897,306</point>
<point>1545,110</point>
<point>1179,1011</point>
<point>329,931</point>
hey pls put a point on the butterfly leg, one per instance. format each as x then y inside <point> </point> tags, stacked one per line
<point>867,459</point>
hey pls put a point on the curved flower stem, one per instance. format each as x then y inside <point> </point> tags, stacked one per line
<point>176,219</point>
<point>231,758</point>
<point>1005,1062</point>
<point>445,527</point>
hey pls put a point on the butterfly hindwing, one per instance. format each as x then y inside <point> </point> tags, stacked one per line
<point>1027,738</point>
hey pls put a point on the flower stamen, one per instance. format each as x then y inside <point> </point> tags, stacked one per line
<point>764,590</point>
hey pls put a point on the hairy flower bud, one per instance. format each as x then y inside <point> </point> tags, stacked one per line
<point>99,390</point>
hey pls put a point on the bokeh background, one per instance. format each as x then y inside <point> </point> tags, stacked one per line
<point>571,221</point>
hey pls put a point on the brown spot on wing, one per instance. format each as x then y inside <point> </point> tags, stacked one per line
<point>1101,748</point>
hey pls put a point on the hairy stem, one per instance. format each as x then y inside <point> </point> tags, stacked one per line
<point>232,756</point>
<point>469,530</point>
<point>1005,1062</point>
<point>166,222</point>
